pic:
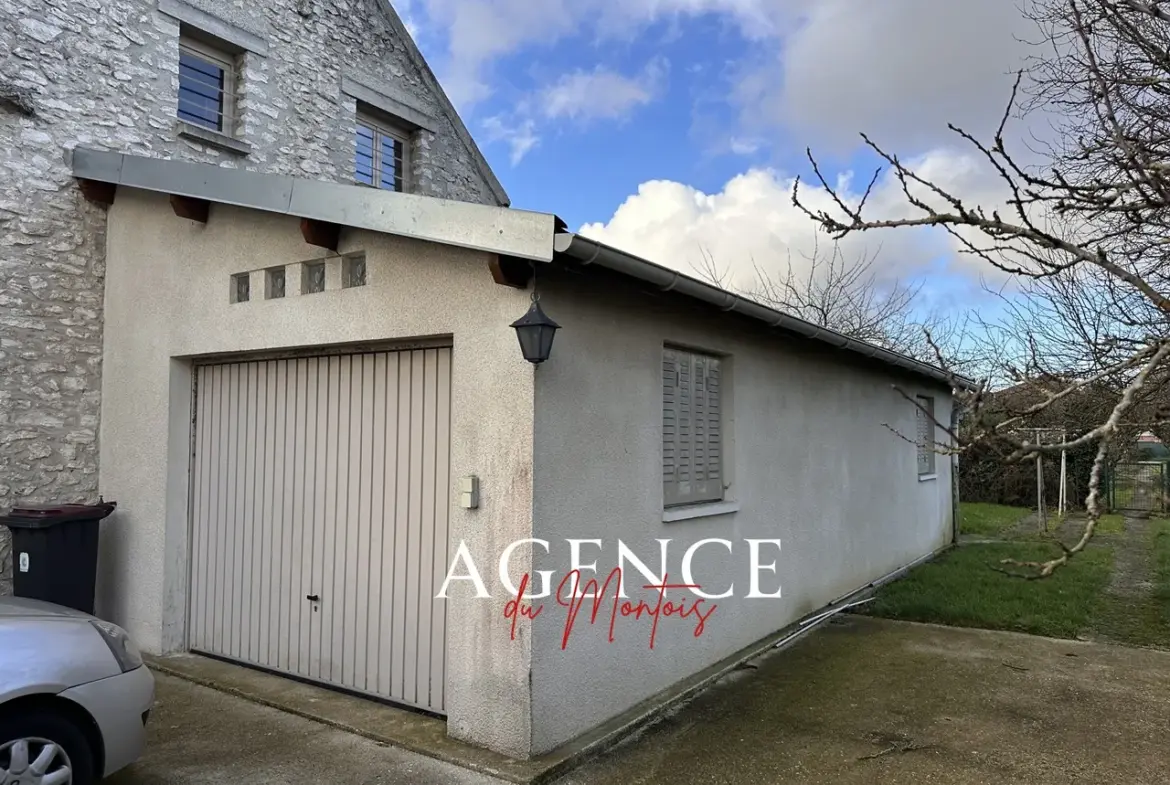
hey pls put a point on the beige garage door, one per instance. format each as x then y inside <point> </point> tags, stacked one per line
<point>319,519</point>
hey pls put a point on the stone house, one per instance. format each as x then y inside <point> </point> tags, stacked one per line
<point>281,86</point>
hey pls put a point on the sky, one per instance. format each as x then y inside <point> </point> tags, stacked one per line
<point>674,128</point>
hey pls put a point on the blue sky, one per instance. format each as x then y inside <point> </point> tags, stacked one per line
<point>673,128</point>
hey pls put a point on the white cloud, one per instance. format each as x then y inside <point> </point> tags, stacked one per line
<point>744,146</point>
<point>480,32</point>
<point>579,97</point>
<point>601,93</point>
<point>752,223</point>
<point>899,70</point>
<point>520,136</point>
<point>820,71</point>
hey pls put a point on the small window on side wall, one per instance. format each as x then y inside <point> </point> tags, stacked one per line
<point>692,427</point>
<point>924,412</point>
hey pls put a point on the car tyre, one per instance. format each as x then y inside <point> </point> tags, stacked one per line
<point>54,727</point>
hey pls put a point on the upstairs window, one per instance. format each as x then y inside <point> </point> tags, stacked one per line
<point>207,83</point>
<point>382,156</point>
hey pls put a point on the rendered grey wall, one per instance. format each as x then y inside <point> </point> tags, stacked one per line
<point>167,299</point>
<point>104,74</point>
<point>809,460</point>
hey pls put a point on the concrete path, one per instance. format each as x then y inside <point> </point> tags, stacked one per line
<point>860,702</point>
<point>875,702</point>
<point>200,736</point>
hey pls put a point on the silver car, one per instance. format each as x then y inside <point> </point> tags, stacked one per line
<point>74,696</point>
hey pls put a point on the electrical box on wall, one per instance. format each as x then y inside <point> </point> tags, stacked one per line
<point>469,492</point>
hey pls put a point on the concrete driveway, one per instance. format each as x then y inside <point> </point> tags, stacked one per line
<point>860,701</point>
<point>199,736</point>
<point>873,702</point>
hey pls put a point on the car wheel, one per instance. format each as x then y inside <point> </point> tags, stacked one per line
<point>43,748</point>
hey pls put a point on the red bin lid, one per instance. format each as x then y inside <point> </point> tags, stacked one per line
<point>49,510</point>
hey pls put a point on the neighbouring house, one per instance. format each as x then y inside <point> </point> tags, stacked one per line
<point>308,398</point>
<point>1150,447</point>
<point>324,90</point>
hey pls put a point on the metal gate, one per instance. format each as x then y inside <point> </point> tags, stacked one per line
<point>1138,487</point>
<point>319,519</point>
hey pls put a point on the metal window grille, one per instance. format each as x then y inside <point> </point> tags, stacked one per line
<point>925,419</point>
<point>381,156</point>
<point>207,86</point>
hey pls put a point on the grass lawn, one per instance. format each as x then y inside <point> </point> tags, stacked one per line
<point>960,588</point>
<point>1109,523</point>
<point>988,520</point>
<point>1161,547</point>
<point>1140,616</point>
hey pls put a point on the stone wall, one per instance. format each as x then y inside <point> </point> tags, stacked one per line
<point>104,74</point>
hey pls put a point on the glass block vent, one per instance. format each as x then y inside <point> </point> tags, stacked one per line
<point>276,287</point>
<point>314,278</point>
<point>354,271</point>
<point>241,290</point>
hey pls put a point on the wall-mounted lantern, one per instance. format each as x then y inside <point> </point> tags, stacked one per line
<point>535,332</point>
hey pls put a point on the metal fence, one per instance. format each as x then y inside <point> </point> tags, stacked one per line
<point>1138,487</point>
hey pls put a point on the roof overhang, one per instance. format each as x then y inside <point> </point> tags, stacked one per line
<point>504,231</point>
<point>587,252</point>
<point>513,238</point>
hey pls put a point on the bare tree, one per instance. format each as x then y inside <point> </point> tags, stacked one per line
<point>849,296</point>
<point>1085,229</point>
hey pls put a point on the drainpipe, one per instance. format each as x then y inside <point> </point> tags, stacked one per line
<point>954,476</point>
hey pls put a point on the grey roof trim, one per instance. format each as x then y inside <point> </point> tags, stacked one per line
<point>233,34</point>
<point>394,105</point>
<point>588,251</point>
<point>420,62</point>
<point>500,230</point>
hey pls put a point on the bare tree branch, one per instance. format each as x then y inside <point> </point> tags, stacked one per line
<point>1084,233</point>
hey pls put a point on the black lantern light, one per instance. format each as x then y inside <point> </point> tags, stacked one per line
<point>535,332</point>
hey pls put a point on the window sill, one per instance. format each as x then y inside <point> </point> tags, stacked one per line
<point>708,510</point>
<point>212,138</point>
<point>927,477</point>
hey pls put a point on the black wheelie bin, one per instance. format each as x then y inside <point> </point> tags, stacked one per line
<point>55,550</point>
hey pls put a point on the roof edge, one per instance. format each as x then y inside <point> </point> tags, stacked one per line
<point>588,251</point>
<point>499,230</point>
<point>428,75</point>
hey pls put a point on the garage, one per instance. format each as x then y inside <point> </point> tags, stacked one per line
<point>320,518</point>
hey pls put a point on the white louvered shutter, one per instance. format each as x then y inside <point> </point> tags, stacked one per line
<point>670,427</point>
<point>692,432</point>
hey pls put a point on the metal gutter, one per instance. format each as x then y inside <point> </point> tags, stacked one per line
<point>498,230</point>
<point>587,252</point>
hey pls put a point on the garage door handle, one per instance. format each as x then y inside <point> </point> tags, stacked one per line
<point>313,597</point>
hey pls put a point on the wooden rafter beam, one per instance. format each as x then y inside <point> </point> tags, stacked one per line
<point>98,192</point>
<point>510,271</point>
<point>191,208</point>
<point>320,233</point>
